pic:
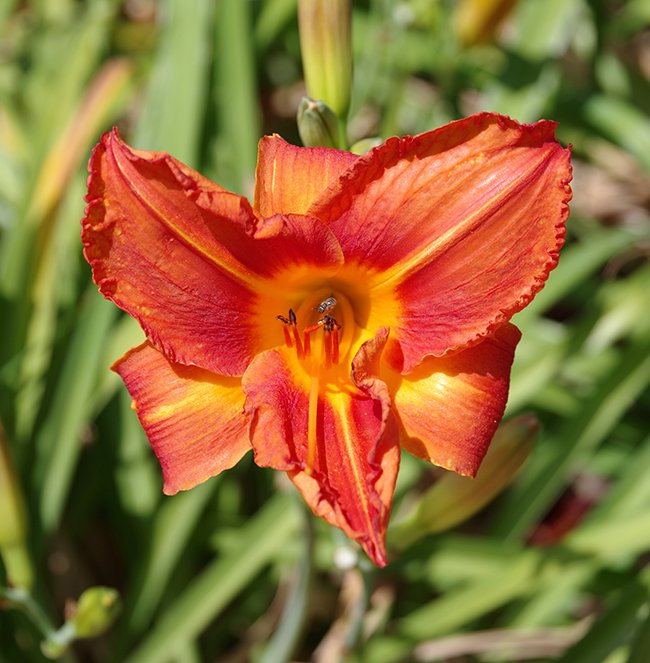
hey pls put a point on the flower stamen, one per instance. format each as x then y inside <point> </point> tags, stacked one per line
<point>335,345</point>
<point>330,325</point>
<point>327,342</point>
<point>329,350</point>
<point>290,330</point>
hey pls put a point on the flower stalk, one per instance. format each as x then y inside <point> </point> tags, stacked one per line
<point>326,46</point>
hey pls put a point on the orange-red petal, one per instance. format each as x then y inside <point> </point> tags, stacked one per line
<point>352,477</point>
<point>459,226</point>
<point>290,178</point>
<point>193,418</point>
<point>450,407</point>
<point>187,259</point>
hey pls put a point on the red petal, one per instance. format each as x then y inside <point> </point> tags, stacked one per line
<point>193,418</point>
<point>289,178</point>
<point>460,226</point>
<point>188,259</point>
<point>352,478</point>
<point>450,407</point>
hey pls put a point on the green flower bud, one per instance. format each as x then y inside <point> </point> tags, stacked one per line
<point>96,611</point>
<point>326,45</point>
<point>317,124</point>
<point>453,499</point>
<point>93,614</point>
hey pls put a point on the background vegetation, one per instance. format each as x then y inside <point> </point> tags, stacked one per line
<point>235,570</point>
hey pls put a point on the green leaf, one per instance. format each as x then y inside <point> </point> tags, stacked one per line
<point>58,443</point>
<point>173,114</point>
<point>623,123</point>
<point>260,541</point>
<point>611,629</point>
<point>460,607</point>
<point>577,437</point>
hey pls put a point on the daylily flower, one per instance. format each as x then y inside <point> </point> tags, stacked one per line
<point>360,304</point>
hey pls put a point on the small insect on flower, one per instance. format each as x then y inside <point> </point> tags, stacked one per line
<point>327,304</point>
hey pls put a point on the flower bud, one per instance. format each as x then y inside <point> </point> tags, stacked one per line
<point>317,124</point>
<point>13,524</point>
<point>477,21</point>
<point>96,611</point>
<point>93,614</point>
<point>453,499</point>
<point>326,45</point>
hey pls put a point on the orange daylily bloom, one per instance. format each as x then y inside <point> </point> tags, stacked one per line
<point>360,304</point>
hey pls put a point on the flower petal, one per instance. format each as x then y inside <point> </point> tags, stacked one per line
<point>188,259</point>
<point>193,418</point>
<point>289,178</point>
<point>460,226</point>
<point>351,480</point>
<point>450,407</point>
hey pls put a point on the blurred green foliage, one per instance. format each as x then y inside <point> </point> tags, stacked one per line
<point>555,568</point>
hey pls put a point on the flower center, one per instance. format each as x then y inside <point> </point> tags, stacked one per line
<point>322,332</point>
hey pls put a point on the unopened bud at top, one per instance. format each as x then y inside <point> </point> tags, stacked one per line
<point>326,45</point>
<point>317,124</point>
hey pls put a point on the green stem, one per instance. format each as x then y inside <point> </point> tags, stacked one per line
<point>22,600</point>
<point>343,133</point>
<point>287,634</point>
<point>57,643</point>
<point>353,637</point>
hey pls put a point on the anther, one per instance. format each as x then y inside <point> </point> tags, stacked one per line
<point>327,323</point>
<point>290,330</point>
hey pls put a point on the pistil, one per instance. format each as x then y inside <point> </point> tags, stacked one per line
<point>312,420</point>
